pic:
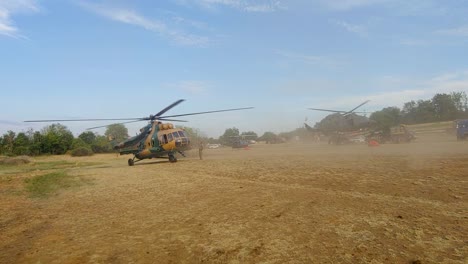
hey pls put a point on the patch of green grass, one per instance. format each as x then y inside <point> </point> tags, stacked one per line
<point>61,164</point>
<point>48,165</point>
<point>44,185</point>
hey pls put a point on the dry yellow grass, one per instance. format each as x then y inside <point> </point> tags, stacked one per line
<point>270,204</point>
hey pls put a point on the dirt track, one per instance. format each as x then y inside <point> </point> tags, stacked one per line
<point>270,204</point>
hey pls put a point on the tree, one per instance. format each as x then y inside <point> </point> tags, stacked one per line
<point>79,143</point>
<point>424,112</point>
<point>37,145</point>
<point>250,135</point>
<point>101,145</point>
<point>8,142</point>
<point>444,107</point>
<point>268,137</point>
<point>461,102</point>
<point>80,148</point>
<point>117,131</point>
<point>386,118</point>
<point>57,139</point>
<point>21,144</point>
<point>88,137</point>
<point>409,112</point>
<point>228,137</point>
<point>2,146</point>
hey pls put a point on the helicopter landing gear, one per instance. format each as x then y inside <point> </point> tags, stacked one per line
<point>172,159</point>
<point>131,162</point>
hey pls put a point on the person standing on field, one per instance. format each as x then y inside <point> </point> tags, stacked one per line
<point>200,149</point>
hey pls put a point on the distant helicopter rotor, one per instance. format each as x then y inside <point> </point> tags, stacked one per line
<point>343,113</point>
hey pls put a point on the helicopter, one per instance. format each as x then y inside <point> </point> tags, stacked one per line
<point>347,119</point>
<point>342,126</point>
<point>156,139</point>
<point>343,113</point>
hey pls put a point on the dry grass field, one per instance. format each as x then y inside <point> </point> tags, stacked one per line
<point>285,203</point>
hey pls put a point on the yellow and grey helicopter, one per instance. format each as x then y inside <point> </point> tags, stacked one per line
<point>155,140</point>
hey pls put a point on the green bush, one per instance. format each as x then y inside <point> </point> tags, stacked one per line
<point>42,186</point>
<point>81,151</point>
<point>78,143</point>
<point>22,150</point>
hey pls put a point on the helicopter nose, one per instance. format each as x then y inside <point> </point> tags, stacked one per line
<point>182,141</point>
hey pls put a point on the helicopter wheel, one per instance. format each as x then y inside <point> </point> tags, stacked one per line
<point>131,162</point>
<point>172,158</point>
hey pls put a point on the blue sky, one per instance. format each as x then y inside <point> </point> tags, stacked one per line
<point>109,59</point>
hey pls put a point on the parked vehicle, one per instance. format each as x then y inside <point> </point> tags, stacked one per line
<point>339,138</point>
<point>462,129</point>
<point>400,134</point>
<point>395,134</point>
<point>358,139</point>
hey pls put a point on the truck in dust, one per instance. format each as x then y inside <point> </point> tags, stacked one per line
<point>401,133</point>
<point>396,134</point>
<point>348,137</point>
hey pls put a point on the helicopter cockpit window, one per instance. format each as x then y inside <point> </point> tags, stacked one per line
<point>175,134</point>
<point>164,139</point>
<point>182,134</point>
<point>169,137</point>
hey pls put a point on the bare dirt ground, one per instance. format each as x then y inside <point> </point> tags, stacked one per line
<point>285,203</point>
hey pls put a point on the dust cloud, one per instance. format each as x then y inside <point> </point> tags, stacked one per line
<point>294,202</point>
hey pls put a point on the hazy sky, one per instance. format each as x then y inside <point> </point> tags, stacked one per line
<point>110,59</point>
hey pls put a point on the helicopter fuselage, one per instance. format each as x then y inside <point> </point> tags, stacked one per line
<point>154,141</point>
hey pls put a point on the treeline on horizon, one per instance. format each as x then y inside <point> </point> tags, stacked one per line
<point>57,139</point>
<point>441,107</point>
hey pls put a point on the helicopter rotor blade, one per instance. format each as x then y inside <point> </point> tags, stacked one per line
<point>344,113</point>
<point>352,110</point>
<point>141,119</point>
<point>172,120</point>
<point>208,112</point>
<point>167,109</point>
<point>80,120</point>
<point>132,120</point>
<point>115,124</point>
<point>327,110</point>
